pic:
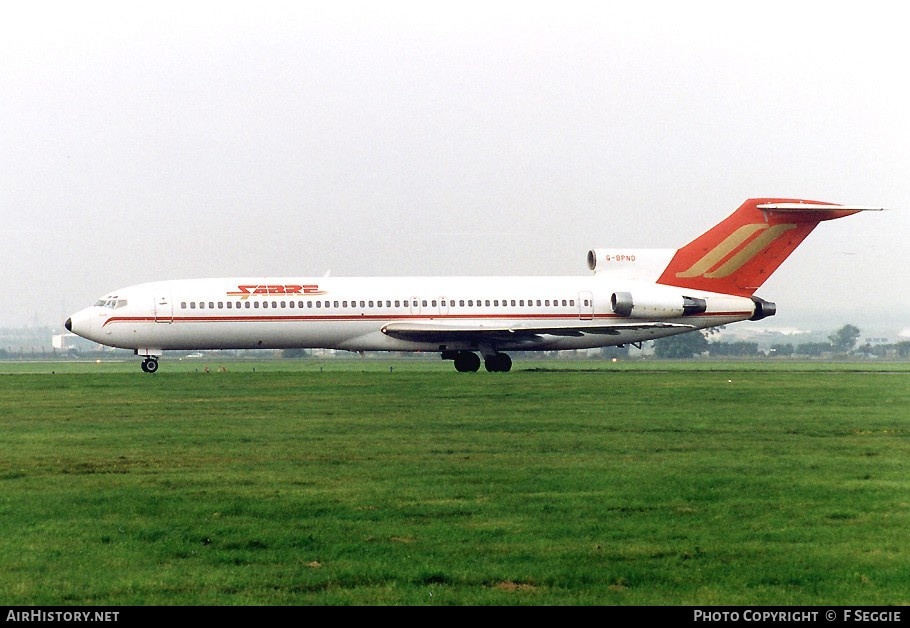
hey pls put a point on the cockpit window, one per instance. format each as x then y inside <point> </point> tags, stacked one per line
<point>111,303</point>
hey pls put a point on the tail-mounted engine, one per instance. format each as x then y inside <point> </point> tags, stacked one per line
<point>763,309</point>
<point>668,307</point>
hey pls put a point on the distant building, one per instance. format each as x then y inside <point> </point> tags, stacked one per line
<point>63,342</point>
<point>72,342</point>
<point>875,342</point>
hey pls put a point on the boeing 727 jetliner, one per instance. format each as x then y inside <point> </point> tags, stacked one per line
<point>633,295</point>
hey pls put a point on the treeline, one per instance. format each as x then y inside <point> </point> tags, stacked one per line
<point>842,343</point>
<point>809,349</point>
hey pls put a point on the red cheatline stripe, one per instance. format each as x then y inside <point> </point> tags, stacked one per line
<point>375,317</point>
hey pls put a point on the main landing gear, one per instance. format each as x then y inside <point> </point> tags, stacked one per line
<point>469,362</point>
<point>150,364</point>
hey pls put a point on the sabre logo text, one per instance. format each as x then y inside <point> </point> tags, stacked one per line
<point>245,292</point>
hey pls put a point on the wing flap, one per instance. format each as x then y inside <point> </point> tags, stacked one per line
<point>437,331</point>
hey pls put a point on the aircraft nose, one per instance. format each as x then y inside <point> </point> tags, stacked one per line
<point>68,324</point>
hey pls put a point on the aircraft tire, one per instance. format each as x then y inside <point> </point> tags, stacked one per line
<point>498,363</point>
<point>150,365</point>
<point>467,362</point>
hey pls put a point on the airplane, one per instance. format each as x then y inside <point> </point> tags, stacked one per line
<point>631,296</point>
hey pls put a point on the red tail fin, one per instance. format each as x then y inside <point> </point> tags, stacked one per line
<point>739,254</point>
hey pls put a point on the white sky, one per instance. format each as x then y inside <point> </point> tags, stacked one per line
<point>164,140</point>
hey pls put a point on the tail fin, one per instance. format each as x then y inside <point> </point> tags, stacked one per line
<point>739,254</point>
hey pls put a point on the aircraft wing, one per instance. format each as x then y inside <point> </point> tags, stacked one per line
<point>440,331</point>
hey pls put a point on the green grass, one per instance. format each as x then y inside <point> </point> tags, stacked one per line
<point>403,482</point>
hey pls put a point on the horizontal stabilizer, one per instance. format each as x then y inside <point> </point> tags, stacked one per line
<point>812,211</point>
<point>802,207</point>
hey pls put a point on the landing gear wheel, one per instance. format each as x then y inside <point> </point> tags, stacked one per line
<point>498,363</point>
<point>150,365</point>
<point>467,362</point>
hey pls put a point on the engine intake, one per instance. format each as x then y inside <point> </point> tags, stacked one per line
<point>622,303</point>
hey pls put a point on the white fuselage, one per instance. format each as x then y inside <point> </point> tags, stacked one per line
<point>634,295</point>
<point>355,313</point>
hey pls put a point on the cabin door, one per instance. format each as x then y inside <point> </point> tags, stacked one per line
<point>164,309</point>
<point>585,306</point>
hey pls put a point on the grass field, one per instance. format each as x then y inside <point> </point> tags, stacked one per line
<point>402,482</point>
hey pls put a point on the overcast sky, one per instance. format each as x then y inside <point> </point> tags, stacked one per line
<point>166,140</point>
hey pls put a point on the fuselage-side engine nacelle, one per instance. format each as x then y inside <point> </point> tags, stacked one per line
<point>659,306</point>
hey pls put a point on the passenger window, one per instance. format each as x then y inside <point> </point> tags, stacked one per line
<point>265,304</point>
<point>336,303</point>
<point>220,305</point>
<point>256,304</point>
<point>183,305</point>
